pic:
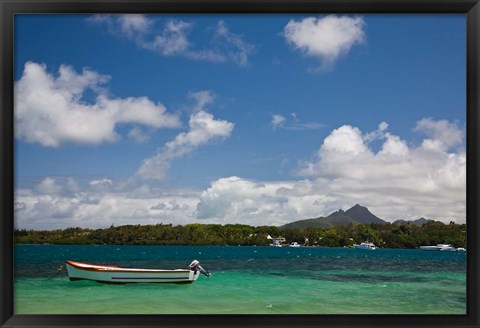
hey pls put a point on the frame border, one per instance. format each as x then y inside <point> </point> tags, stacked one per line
<point>8,8</point>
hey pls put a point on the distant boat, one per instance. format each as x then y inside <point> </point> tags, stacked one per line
<point>461,249</point>
<point>294,244</point>
<point>438,247</point>
<point>366,245</point>
<point>114,274</point>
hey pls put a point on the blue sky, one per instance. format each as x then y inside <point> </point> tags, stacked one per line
<point>259,119</point>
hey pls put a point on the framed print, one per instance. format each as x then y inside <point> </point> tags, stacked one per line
<point>250,163</point>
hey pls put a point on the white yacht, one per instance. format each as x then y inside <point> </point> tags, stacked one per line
<point>438,247</point>
<point>294,244</point>
<point>366,245</point>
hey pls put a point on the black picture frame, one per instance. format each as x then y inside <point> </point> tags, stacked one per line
<point>8,9</point>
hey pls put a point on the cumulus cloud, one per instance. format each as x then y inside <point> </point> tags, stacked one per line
<point>235,198</point>
<point>203,129</point>
<point>48,186</point>
<point>325,38</point>
<point>443,134</point>
<point>57,185</point>
<point>99,208</point>
<point>246,201</point>
<point>54,109</point>
<point>398,181</point>
<point>173,39</point>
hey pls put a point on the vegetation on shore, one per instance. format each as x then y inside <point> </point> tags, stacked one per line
<point>386,235</point>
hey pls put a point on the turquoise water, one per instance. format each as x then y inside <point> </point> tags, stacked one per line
<point>247,280</point>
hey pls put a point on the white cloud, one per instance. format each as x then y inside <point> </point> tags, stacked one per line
<point>203,128</point>
<point>173,38</point>
<point>244,201</point>
<point>99,208</point>
<point>101,184</point>
<point>397,181</point>
<point>325,38</point>
<point>134,23</point>
<point>394,147</point>
<point>344,140</point>
<point>277,120</point>
<point>58,185</point>
<point>379,133</point>
<point>129,25</point>
<point>202,99</point>
<point>232,45</point>
<point>48,186</point>
<point>51,110</point>
<point>443,133</point>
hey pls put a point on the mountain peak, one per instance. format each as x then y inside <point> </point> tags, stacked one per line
<point>419,222</point>
<point>340,212</point>
<point>356,214</point>
<point>361,214</point>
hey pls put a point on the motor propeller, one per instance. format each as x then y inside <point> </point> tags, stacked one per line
<point>195,266</point>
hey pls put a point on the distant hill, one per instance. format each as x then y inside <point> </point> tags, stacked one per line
<point>419,222</point>
<point>355,215</point>
<point>309,223</point>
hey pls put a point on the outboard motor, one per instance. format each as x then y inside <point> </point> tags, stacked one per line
<point>195,266</point>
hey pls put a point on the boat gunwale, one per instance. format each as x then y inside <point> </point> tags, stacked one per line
<point>99,268</point>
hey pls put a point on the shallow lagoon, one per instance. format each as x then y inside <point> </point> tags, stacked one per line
<point>247,280</point>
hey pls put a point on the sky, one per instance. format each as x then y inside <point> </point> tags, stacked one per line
<point>249,119</point>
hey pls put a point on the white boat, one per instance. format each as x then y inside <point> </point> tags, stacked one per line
<point>294,244</point>
<point>114,274</point>
<point>438,247</point>
<point>461,249</point>
<point>366,245</point>
<point>429,248</point>
<point>445,247</point>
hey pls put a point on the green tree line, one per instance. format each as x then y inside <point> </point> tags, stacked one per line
<point>383,235</point>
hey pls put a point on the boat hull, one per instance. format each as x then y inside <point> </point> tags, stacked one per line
<point>116,275</point>
<point>368,248</point>
<point>429,248</point>
<point>439,247</point>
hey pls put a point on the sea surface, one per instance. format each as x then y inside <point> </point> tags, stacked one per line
<point>246,280</point>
